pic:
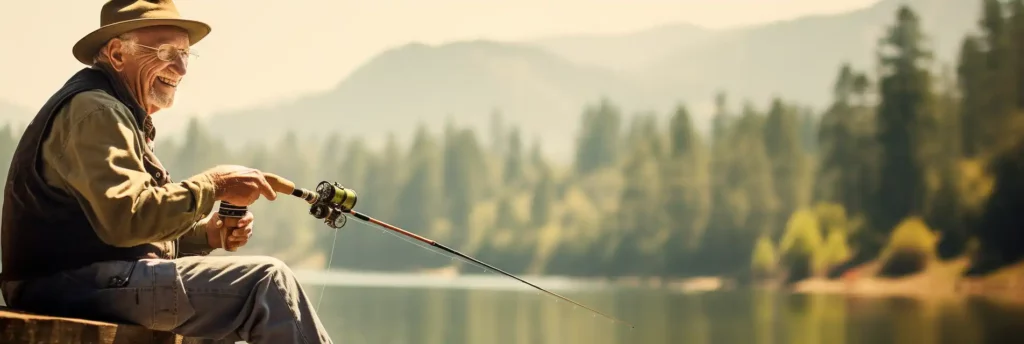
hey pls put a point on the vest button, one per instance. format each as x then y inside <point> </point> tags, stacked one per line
<point>159,175</point>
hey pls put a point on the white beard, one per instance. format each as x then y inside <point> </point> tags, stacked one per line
<point>160,99</point>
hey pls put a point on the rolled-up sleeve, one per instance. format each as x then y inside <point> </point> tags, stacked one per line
<point>99,160</point>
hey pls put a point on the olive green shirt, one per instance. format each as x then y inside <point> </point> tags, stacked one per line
<point>94,153</point>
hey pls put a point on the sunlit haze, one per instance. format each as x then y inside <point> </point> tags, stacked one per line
<point>260,52</point>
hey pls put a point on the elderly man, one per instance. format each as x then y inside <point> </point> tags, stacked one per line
<point>93,227</point>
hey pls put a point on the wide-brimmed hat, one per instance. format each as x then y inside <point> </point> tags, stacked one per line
<point>120,16</point>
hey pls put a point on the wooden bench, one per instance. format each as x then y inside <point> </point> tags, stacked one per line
<point>18,327</point>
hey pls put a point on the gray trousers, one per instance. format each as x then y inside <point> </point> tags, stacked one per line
<point>240,298</point>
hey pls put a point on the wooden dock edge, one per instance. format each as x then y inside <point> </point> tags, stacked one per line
<point>18,327</point>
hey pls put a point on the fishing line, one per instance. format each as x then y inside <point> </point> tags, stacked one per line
<point>323,285</point>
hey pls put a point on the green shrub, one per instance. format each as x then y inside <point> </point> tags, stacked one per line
<point>802,244</point>
<point>764,262</point>
<point>836,250</point>
<point>911,246</point>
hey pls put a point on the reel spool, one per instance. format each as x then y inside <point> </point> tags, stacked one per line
<point>333,200</point>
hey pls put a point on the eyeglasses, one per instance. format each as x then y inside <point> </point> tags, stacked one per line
<point>167,52</point>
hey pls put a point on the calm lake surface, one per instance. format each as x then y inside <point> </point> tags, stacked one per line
<point>392,309</point>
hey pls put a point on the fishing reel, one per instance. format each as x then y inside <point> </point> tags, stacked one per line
<point>332,202</point>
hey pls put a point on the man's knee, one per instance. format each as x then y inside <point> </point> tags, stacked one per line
<point>265,264</point>
<point>272,268</point>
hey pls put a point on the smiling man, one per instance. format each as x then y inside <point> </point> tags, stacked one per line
<point>93,227</point>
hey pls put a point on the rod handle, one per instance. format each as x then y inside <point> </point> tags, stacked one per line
<point>279,184</point>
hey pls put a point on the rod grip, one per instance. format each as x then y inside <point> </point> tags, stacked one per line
<point>230,214</point>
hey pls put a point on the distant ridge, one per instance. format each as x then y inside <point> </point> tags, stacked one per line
<point>543,84</point>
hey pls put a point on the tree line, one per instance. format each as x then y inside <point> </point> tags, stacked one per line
<point>911,163</point>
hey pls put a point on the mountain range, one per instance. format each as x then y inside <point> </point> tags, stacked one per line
<point>543,85</point>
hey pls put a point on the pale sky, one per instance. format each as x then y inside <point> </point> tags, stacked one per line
<point>266,50</point>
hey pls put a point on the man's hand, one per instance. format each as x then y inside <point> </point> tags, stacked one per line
<point>240,185</point>
<point>238,237</point>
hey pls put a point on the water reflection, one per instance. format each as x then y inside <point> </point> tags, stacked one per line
<point>384,315</point>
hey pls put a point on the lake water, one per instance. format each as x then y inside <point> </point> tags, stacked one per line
<point>398,309</point>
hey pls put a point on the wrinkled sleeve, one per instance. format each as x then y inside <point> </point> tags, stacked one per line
<point>195,241</point>
<point>101,163</point>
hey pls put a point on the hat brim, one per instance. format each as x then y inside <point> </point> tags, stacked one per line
<point>86,48</point>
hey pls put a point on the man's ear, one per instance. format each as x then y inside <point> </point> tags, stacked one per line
<point>114,53</point>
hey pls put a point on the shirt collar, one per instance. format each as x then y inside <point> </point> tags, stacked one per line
<point>121,93</point>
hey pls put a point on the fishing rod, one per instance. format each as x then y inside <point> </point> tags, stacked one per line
<point>331,202</point>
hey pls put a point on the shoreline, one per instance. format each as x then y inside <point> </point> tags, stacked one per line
<point>939,280</point>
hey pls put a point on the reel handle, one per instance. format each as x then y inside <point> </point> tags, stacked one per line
<point>230,214</point>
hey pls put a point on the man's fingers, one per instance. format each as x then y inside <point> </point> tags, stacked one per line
<point>266,189</point>
<point>240,237</point>
<point>241,233</point>
<point>245,220</point>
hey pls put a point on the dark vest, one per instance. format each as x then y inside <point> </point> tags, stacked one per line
<point>44,230</point>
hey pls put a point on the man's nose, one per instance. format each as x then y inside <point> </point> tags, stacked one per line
<point>180,65</point>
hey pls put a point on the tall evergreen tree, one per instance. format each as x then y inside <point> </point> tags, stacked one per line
<point>464,180</point>
<point>971,71</point>
<point>1017,42</point>
<point>543,198</point>
<point>383,179</point>
<point>1001,77</point>
<point>782,143</point>
<point>514,164</point>
<point>904,121</point>
<point>686,186</point>
<point>419,203</point>
<point>847,169</point>
<point>643,222</point>
<point>598,143</point>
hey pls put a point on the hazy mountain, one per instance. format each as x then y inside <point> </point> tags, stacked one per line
<point>544,84</point>
<point>465,82</point>
<point>626,52</point>
<point>799,59</point>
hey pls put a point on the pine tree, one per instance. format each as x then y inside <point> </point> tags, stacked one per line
<point>971,72</point>
<point>1001,78</point>
<point>846,171</point>
<point>543,198</point>
<point>514,164</point>
<point>743,203</point>
<point>419,201</point>
<point>598,142</point>
<point>904,121</point>
<point>383,180</point>
<point>1017,42</point>
<point>686,186</point>
<point>643,222</point>
<point>463,180</point>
